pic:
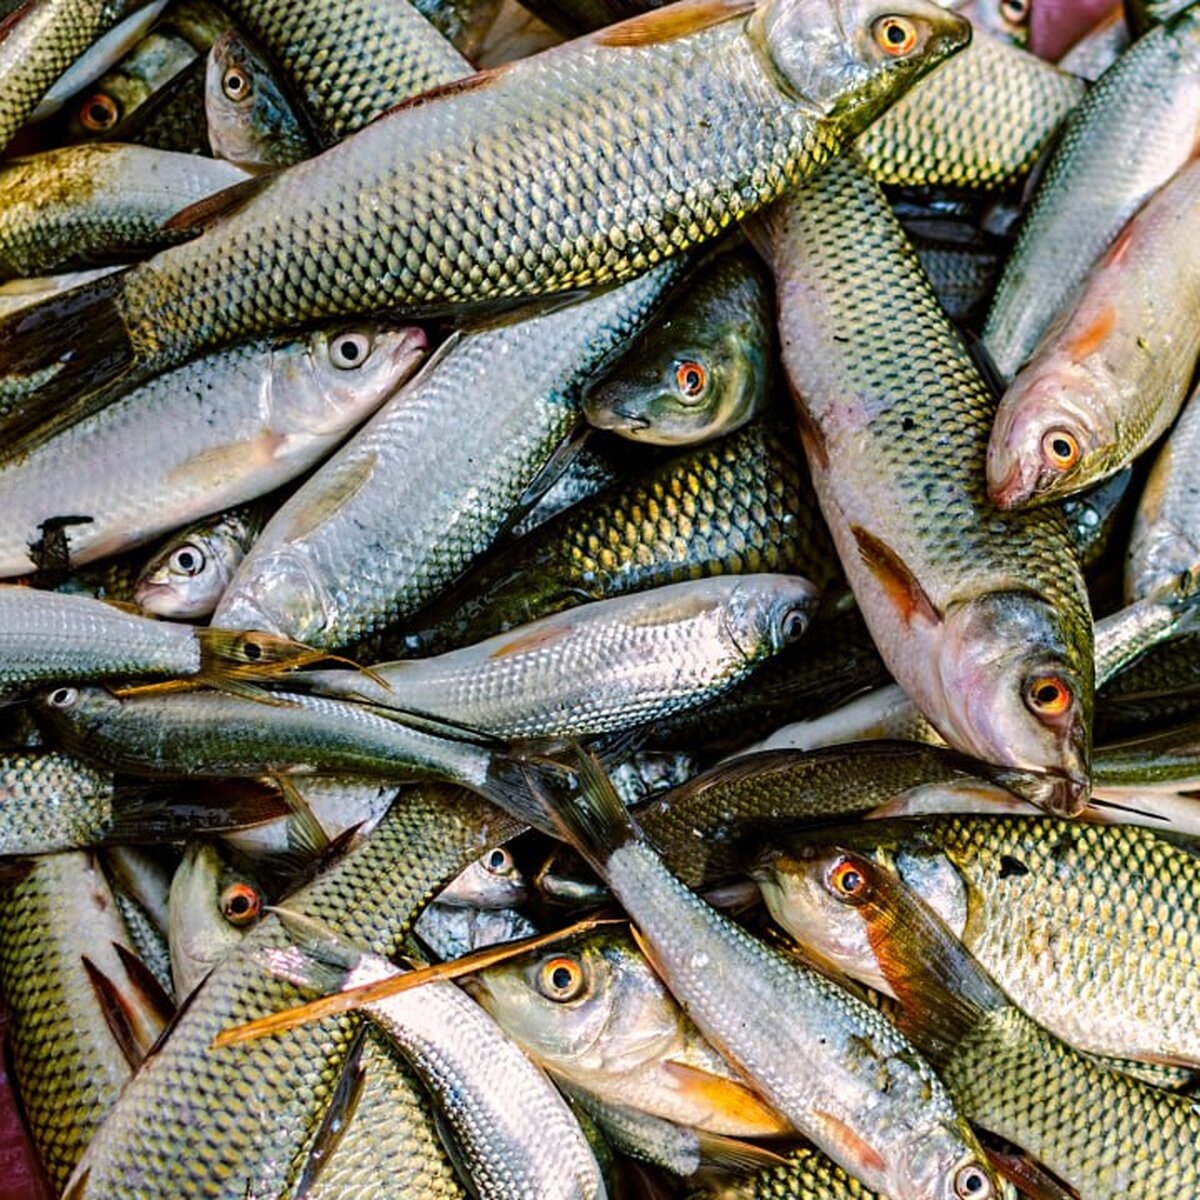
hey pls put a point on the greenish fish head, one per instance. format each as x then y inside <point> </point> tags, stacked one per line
<point>324,386</point>
<point>72,713</point>
<point>492,881</point>
<point>592,1005</point>
<point>213,904</point>
<point>766,613</point>
<point>1017,684</point>
<point>1053,435</point>
<point>187,577</point>
<point>852,58</point>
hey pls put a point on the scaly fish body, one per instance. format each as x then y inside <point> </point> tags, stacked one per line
<point>1111,375</point>
<point>1136,129</point>
<point>981,616</point>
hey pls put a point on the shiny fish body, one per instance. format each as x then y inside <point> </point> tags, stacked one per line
<point>740,505</point>
<point>51,801</point>
<point>969,607</point>
<point>1137,127</point>
<point>1115,369</point>
<point>598,668</point>
<point>1167,760</point>
<point>464,23</point>
<point>84,203</point>
<point>219,431</point>
<point>807,1175</point>
<point>429,483</point>
<point>170,1135</point>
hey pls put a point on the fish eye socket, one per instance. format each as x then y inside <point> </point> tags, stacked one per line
<point>1060,449</point>
<point>187,560</point>
<point>560,979</point>
<point>971,1182</point>
<point>895,36</point>
<point>62,697</point>
<point>691,378</point>
<point>793,624</point>
<point>235,83</point>
<point>846,880</point>
<point>99,112</point>
<point>1048,696</point>
<point>349,350</point>
<point>498,861</point>
<point>240,904</point>
<point>1015,12</point>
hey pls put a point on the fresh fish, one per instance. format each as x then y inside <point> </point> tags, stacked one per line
<point>140,883</point>
<point>962,267</point>
<point>981,616</point>
<point>830,1064</point>
<point>173,118</point>
<point>1014,1078</point>
<point>452,932</point>
<point>599,668</point>
<point>1166,760</point>
<point>1084,926</point>
<point>464,23</point>
<point>83,204</point>
<point>1007,20</point>
<point>217,432</point>
<point>591,469</point>
<point>187,577</point>
<point>250,121</point>
<point>428,485</point>
<point>1112,374</point>
<point>1092,516</point>
<point>492,881</point>
<point>604,206</point>
<point>1136,129</point>
<point>514,1135</point>
<point>1097,50</point>
<point>700,370</point>
<point>1165,540</point>
<point>171,1135</point>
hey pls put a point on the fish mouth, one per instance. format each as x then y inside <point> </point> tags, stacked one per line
<point>1015,488</point>
<point>1058,792</point>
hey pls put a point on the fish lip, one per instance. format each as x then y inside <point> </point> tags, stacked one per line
<point>1012,490</point>
<point>1061,793</point>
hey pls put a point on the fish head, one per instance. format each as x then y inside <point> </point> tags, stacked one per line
<point>765,613</point>
<point>186,578</point>
<point>1052,436</point>
<point>329,383</point>
<point>73,712</point>
<point>242,105</point>
<point>944,1161</point>
<point>590,1005</point>
<point>1007,20</point>
<point>1017,683</point>
<point>492,881</point>
<point>213,903</point>
<point>280,594</point>
<point>851,58</point>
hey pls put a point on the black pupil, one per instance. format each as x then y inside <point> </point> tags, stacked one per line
<point>98,112</point>
<point>61,696</point>
<point>692,380</point>
<point>973,1182</point>
<point>1047,694</point>
<point>896,34</point>
<point>349,351</point>
<point>497,860</point>
<point>1062,447</point>
<point>235,82</point>
<point>253,650</point>
<point>239,905</point>
<point>187,560</point>
<point>561,978</point>
<point>851,881</point>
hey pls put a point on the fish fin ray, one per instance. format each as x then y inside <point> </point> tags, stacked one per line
<point>895,577</point>
<point>337,1117</point>
<point>728,1097</point>
<point>733,1154</point>
<point>675,21</point>
<point>208,211</point>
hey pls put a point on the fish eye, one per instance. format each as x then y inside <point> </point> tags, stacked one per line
<point>793,624</point>
<point>187,560</point>
<point>240,904</point>
<point>1015,12</point>
<point>62,697</point>
<point>235,83</point>
<point>848,881</point>
<point>895,36</point>
<point>971,1182</point>
<point>691,378</point>
<point>498,861</point>
<point>1060,449</point>
<point>1048,696</point>
<point>349,350</point>
<point>99,112</point>
<point>560,979</point>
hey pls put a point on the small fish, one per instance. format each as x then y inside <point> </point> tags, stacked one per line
<point>702,369</point>
<point>493,881</point>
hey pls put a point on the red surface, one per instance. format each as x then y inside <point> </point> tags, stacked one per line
<point>1056,25</point>
<point>20,1172</point>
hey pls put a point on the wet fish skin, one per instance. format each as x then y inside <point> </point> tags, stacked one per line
<point>492,881</point>
<point>250,120</point>
<point>1112,374</point>
<point>702,369</point>
<point>1136,129</point>
<point>52,801</point>
<point>972,609</point>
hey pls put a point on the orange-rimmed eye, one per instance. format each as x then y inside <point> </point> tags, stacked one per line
<point>1048,696</point>
<point>498,861</point>
<point>240,904</point>
<point>235,84</point>
<point>896,36</point>
<point>560,979</point>
<point>847,880</point>
<point>692,378</point>
<point>99,112</point>
<point>1060,448</point>
<point>1015,12</point>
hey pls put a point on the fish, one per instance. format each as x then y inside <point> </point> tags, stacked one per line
<point>1098,49</point>
<point>606,205</point>
<point>1012,1076</point>
<point>431,481</point>
<point>140,882</point>
<point>826,1061</point>
<point>962,267</point>
<point>170,1133</point>
<point>981,616</point>
<point>466,24</point>
<point>593,1013</point>
<point>599,668</point>
<point>218,432</point>
<point>16,294</point>
<point>1084,926</point>
<point>1166,760</point>
<point>1094,515</point>
<point>1144,15</point>
<point>1111,375</point>
<point>92,203</point>
<point>451,932</point>
<point>1137,127</point>
<point>701,370</point>
<point>1056,25</point>
<point>250,121</point>
<point>1007,20</point>
<point>185,579</point>
<point>492,881</point>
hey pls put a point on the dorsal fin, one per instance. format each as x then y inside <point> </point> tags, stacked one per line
<point>671,22</point>
<point>219,205</point>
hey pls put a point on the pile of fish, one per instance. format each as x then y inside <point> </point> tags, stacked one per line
<point>600,600</point>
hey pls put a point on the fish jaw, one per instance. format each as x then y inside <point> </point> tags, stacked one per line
<point>281,596</point>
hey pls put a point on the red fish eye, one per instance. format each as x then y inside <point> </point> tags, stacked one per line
<point>240,904</point>
<point>691,377</point>
<point>847,880</point>
<point>98,113</point>
<point>1060,448</point>
<point>1048,696</point>
<point>560,979</point>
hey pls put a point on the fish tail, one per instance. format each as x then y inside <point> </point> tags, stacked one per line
<point>318,958</point>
